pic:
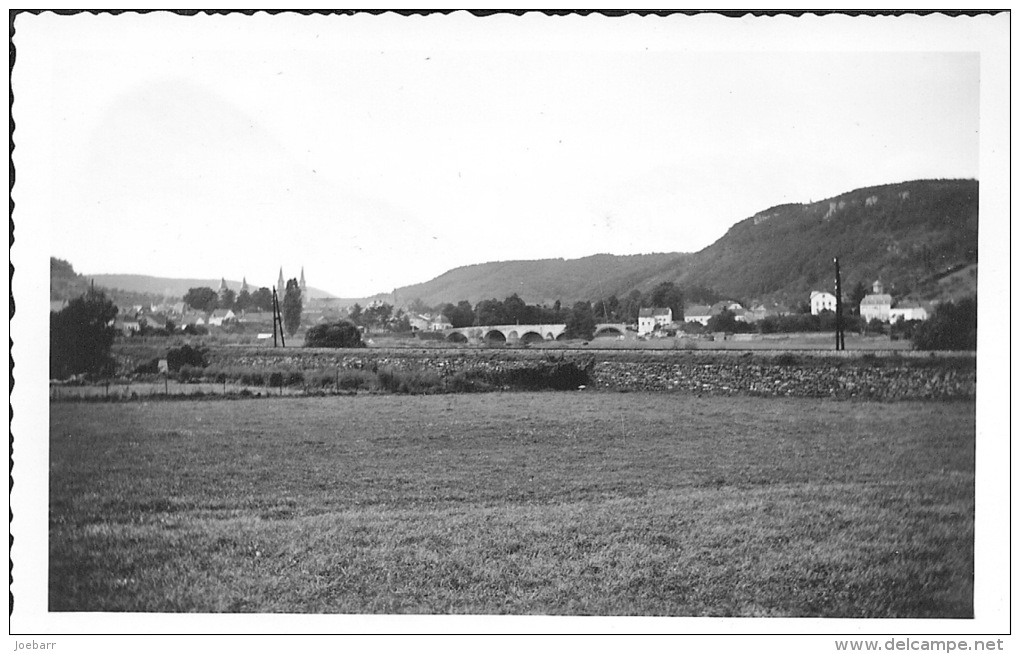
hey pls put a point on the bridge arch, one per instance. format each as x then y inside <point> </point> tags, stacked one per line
<point>457,337</point>
<point>609,331</point>
<point>531,337</point>
<point>495,336</point>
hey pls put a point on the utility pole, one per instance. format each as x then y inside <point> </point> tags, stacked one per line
<point>840,336</point>
<point>277,319</point>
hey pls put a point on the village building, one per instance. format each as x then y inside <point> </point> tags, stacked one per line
<point>876,305</point>
<point>650,318</point>
<point>218,317</point>
<point>425,322</point>
<point>699,313</point>
<point>908,311</point>
<point>822,301</point>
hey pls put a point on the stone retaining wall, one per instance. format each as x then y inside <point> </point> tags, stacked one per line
<point>867,377</point>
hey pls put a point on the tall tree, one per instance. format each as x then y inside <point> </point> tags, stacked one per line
<point>514,310</point>
<point>81,335</point>
<point>631,306</point>
<point>262,299</point>
<point>489,312</point>
<point>227,299</point>
<point>668,294</point>
<point>418,306</point>
<point>243,301</point>
<point>461,315</point>
<point>201,298</point>
<point>292,307</point>
<point>856,295</point>
<point>355,313</point>
<point>580,322</point>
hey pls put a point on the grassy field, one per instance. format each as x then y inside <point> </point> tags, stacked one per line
<point>522,503</point>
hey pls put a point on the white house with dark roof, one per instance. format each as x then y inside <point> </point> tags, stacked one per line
<point>699,313</point>
<point>649,318</point>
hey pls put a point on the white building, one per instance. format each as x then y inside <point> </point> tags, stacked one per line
<point>877,304</point>
<point>908,311</point>
<point>698,313</point>
<point>822,301</point>
<point>649,318</point>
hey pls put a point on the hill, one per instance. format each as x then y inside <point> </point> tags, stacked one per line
<point>66,284</point>
<point>907,234</point>
<point>175,288</point>
<point>544,281</point>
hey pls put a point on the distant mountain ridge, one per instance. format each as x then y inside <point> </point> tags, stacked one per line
<point>177,288</point>
<point>905,234</point>
<point>910,235</point>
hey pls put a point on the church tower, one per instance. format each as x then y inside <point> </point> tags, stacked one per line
<point>301,284</point>
<point>280,286</point>
<point>222,290</point>
<point>244,285</point>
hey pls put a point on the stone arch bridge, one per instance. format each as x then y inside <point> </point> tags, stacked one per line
<point>497,334</point>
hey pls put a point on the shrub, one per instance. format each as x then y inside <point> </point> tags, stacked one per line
<point>952,327</point>
<point>352,380</point>
<point>186,355</point>
<point>276,379</point>
<point>149,368</point>
<point>786,359</point>
<point>187,373</point>
<point>414,382</point>
<point>252,378</point>
<point>467,381</point>
<point>295,378</point>
<point>338,334</point>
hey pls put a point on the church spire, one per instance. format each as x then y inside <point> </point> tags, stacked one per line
<point>280,288</point>
<point>244,284</point>
<point>301,284</point>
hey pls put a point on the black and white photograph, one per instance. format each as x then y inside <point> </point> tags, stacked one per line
<point>447,322</point>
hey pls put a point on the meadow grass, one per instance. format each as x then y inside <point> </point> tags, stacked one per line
<point>521,503</point>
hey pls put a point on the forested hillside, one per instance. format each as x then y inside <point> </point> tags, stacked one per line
<point>544,281</point>
<point>907,235</point>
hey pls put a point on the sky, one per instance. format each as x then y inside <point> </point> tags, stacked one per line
<point>381,151</point>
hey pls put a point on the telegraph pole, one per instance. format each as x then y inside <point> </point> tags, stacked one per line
<point>277,318</point>
<point>840,336</point>
<point>274,316</point>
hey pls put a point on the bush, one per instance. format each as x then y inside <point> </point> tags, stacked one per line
<point>186,355</point>
<point>295,378</point>
<point>468,381</point>
<point>338,334</point>
<point>252,378</point>
<point>187,373</point>
<point>786,359</point>
<point>414,382</point>
<point>149,368</point>
<point>352,380</point>
<point>276,379</point>
<point>952,327</point>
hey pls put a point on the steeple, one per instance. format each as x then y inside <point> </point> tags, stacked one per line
<point>223,285</point>
<point>301,284</point>
<point>280,287</point>
<point>244,285</point>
